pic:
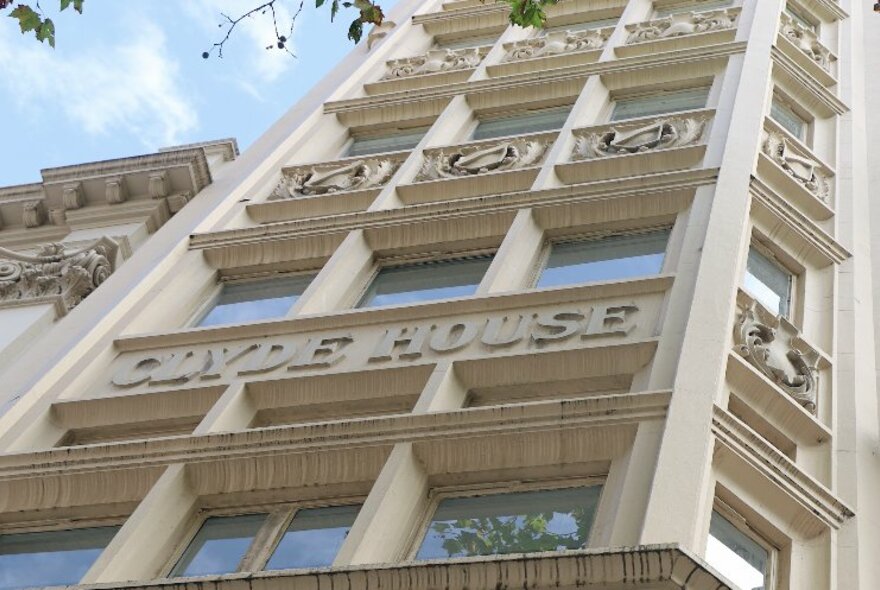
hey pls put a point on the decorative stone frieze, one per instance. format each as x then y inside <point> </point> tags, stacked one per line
<point>33,214</point>
<point>116,191</point>
<point>72,196</point>
<point>676,25</point>
<point>435,60</point>
<point>556,43</point>
<point>305,181</point>
<point>665,133</point>
<point>56,272</point>
<point>467,161</point>
<point>805,170</point>
<point>806,40</point>
<point>785,359</point>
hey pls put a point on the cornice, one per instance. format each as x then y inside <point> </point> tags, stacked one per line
<point>824,96</point>
<point>772,464</point>
<point>554,76</point>
<point>832,8</point>
<point>460,13</point>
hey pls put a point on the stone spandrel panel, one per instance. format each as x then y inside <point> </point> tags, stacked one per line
<point>535,321</point>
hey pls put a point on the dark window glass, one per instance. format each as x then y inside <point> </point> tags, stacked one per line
<point>402,139</point>
<point>522,123</point>
<point>671,101</point>
<point>313,538</point>
<point>789,119</point>
<point>426,281</point>
<point>219,546</point>
<point>768,282</point>
<point>606,259</point>
<point>53,558</point>
<point>545,520</point>
<point>239,303</point>
<point>736,556</point>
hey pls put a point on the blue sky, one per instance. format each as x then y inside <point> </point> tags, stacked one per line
<point>127,77</point>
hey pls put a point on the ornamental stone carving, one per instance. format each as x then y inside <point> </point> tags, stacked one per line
<point>436,60</point>
<point>306,181</point>
<point>56,272</point>
<point>676,25</point>
<point>806,40</point>
<point>157,184</point>
<point>73,196</point>
<point>556,43</point>
<point>804,170</point>
<point>787,361</point>
<point>116,191</point>
<point>468,161</point>
<point>33,214</point>
<point>662,134</point>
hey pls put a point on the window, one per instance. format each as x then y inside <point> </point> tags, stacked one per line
<point>544,520</point>
<point>799,17</point>
<point>589,25</point>
<point>426,281</point>
<point>737,556</point>
<point>788,118</point>
<point>521,123</point>
<point>224,544</point>
<point>400,139</point>
<point>255,300</point>
<point>768,282</point>
<point>657,103</point>
<point>604,259</point>
<point>52,558</point>
<point>692,7</point>
<point>465,42</point>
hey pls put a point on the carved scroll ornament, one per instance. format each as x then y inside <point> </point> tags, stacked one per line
<point>677,25</point>
<point>468,161</point>
<point>321,180</point>
<point>792,369</point>
<point>804,170</point>
<point>435,60</point>
<point>658,135</point>
<point>56,272</point>
<point>558,42</point>
<point>806,40</point>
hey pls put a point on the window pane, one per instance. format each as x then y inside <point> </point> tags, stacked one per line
<point>313,538</point>
<point>219,545</point>
<point>616,257</point>
<point>256,300</point>
<point>466,42</point>
<point>736,556</point>
<point>798,17</point>
<point>790,120</point>
<point>768,282</point>
<point>693,7</point>
<point>661,102</point>
<point>54,558</point>
<point>426,281</point>
<point>519,124</point>
<point>405,139</point>
<point>546,520</point>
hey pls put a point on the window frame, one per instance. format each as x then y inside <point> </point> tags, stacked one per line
<point>439,493</point>
<point>643,92</point>
<point>455,44</point>
<point>279,515</point>
<point>787,102</point>
<point>513,114</point>
<point>579,26</point>
<point>773,255</point>
<point>691,6</point>
<point>390,131</point>
<point>741,523</point>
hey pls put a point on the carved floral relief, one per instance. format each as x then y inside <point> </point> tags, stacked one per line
<point>669,132</point>
<point>435,60</point>
<point>804,170</point>
<point>785,359</point>
<point>304,181</point>
<point>468,161</point>
<point>806,40</point>
<point>558,42</point>
<point>56,272</point>
<point>677,25</point>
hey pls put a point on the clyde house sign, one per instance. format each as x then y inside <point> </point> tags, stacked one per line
<point>242,359</point>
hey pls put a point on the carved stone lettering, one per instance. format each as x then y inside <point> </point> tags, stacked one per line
<point>267,358</point>
<point>138,372</point>
<point>454,337</point>
<point>174,369</point>
<point>559,326</point>
<point>220,358</point>
<point>468,161</point>
<point>494,327</point>
<point>414,338</point>
<point>610,320</point>
<point>321,352</point>
<point>677,25</point>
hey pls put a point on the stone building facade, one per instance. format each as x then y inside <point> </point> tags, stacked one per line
<point>590,306</point>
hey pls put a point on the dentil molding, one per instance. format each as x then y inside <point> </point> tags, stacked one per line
<point>664,133</point>
<point>468,161</point>
<point>677,25</point>
<point>305,181</point>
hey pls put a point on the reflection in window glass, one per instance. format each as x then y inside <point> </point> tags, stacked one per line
<point>426,281</point>
<point>768,282</point>
<point>401,139</point>
<point>672,101</point>
<point>255,300</point>
<point>693,7</point>
<point>313,538</point>
<point>736,557</point>
<point>789,119</point>
<point>545,520</point>
<point>612,258</point>
<point>521,123</point>
<point>219,546</point>
<point>52,558</point>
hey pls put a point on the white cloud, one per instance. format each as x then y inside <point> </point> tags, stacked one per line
<point>132,87</point>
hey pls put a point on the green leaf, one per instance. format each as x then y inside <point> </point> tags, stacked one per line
<point>78,5</point>
<point>319,3</point>
<point>356,30</point>
<point>65,4</point>
<point>334,8</point>
<point>28,19</point>
<point>46,32</point>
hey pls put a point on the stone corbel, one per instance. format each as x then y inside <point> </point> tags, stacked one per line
<point>786,359</point>
<point>677,25</point>
<point>806,40</point>
<point>379,32</point>
<point>468,161</point>
<point>668,132</point>
<point>33,214</point>
<point>157,184</point>
<point>435,60</point>
<point>306,181</point>
<point>72,196</point>
<point>557,43</point>
<point>116,190</point>
<point>55,272</point>
<point>806,171</point>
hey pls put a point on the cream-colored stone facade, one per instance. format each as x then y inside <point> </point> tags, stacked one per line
<point>735,132</point>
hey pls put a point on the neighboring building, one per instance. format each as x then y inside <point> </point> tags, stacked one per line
<point>489,308</point>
